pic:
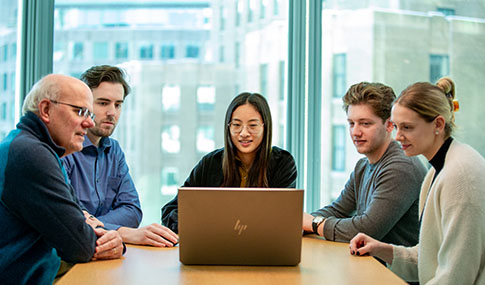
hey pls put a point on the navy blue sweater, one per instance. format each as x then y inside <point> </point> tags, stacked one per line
<point>39,217</point>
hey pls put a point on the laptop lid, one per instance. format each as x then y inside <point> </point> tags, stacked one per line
<point>240,226</point>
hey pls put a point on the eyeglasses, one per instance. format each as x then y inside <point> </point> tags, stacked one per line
<point>83,112</point>
<point>253,127</point>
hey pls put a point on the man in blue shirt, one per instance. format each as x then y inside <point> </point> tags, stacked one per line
<point>41,221</point>
<point>99,173</point>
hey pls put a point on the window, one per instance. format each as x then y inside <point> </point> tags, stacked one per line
<point>13,51</point>
<point>205,139</point>
<point>5,82</point>
<point>281,82</point>
<point>100,50</point>
<point>4,112</point>
<point>222,18</point>
<point>339,75</point>
<point>170,180</point>
<point>9,103</point>
<point>171,98</point>
<point>121,50</point>
<point>171,139</point>
<point>250,10</point>
<point>192,51</point>
<point>438,67</point>
<point>446,11</point>
<point>237,58</point>
<point>263,79</point>
<point>239,8</point>
<point>59,51</point>
<point>424,47</point>
<point>77,51</point>
<point>179,57</point>
<point>262,8</point>
<point>146,51</point>
<point>206,98</point>
<point>276,7</point>
<point>338,148</point>
<point>4,53</point>
<point>167,52</point>
<point>221,53</point>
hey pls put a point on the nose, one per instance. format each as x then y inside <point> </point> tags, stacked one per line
<point>88,123</point>
<point>355,131</point>
<point>111,110</point>
<point>244,132</point>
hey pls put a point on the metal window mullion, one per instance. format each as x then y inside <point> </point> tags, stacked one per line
<point>36,42</point>
<point>295,135</point>
<point>314,105</point>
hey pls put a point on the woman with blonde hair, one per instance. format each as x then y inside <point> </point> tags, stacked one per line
<point>451,248</point>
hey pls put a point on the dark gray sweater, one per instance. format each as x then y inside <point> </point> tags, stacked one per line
<point>379,199</point>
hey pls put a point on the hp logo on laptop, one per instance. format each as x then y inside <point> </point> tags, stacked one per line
<point>239,228</point>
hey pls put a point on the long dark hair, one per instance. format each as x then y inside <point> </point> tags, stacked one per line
<point>258,174</point>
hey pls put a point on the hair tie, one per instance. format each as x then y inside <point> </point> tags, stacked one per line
<point>456,106</point>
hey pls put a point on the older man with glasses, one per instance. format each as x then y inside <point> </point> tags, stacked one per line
<point>41,219</point>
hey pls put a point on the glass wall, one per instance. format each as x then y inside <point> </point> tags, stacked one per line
<point>8,57</point>
<point>397,43</point>
<point>185,61</point>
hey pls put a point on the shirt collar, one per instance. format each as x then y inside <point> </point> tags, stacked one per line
<point>438,160</point>
<point>104,144</point>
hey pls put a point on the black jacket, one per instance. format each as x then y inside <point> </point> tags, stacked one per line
<point>208,173</point>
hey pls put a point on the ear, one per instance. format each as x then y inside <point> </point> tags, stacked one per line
<point>439,123</point>
<point>389,125</point>
<point>44,110</point>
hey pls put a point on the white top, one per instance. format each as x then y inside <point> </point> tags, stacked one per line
<point>451,247</point>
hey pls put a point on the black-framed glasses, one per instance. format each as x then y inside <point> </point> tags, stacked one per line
<point>83,112</point>
<point>253,127</point>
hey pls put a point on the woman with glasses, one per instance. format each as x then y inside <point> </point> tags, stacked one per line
<point>451,247</point>
<point>247,159</point>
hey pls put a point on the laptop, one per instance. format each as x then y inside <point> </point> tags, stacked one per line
<point>240,226</point>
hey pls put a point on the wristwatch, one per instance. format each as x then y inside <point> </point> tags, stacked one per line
<point>317,221</point>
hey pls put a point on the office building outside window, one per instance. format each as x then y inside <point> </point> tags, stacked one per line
<point>205,139</point>
<point>170,181</point>
<point>206,98</point>
<point>167,52</point>
<point>338,148</point>
<point>171,139</point>
<point>146,51</point>
<point>192,51</point>
<point>171,52</point>
<point>100,50</point>
<point>121,50</point>
<point>77,51</point>
<point>171,98</point>
<point>339,75</point>
<point>439,66</point>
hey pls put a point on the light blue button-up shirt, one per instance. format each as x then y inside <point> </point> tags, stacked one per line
<point>103,183</point>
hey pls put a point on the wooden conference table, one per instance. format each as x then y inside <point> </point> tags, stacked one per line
<point>322,262</point>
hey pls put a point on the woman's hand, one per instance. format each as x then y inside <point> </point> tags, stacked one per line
<point>363,244</point>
